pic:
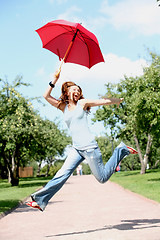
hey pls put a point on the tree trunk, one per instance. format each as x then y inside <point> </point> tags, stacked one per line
<point>148,149</point>
<point>14,177</point>
<point>11,177</point>
<point>9,174</point>
<point>12,171</point>
<point>47,172</point>
<point>50,161</point>
<point>11,166</point>
<point>156,163</point>
<point>143,169</point>
<point>39,168</point>
<point>144,161</point>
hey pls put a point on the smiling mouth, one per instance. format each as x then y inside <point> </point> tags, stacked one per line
<point>76,96</point>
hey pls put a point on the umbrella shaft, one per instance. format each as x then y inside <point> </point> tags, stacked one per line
<point>70,45</point>
<point>75,35</point>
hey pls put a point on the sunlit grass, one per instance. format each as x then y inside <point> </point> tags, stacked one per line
<point>11,196</point>
<point>147,185</point>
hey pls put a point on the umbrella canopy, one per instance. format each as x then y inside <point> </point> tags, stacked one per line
<point>71,42</point>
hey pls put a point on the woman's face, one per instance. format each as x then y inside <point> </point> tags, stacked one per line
<point>74,93</point>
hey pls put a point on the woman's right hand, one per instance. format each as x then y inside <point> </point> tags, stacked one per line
<point>57,74</point>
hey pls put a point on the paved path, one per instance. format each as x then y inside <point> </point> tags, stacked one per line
<point>86,210</point>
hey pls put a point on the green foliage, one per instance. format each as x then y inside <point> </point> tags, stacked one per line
<point>106,146</point>
<point>137,120</point>
<point>86,169</point>
<point>35,167</point>
<point>24,135</point>
<point>130,163</point>
<point>53,169</point>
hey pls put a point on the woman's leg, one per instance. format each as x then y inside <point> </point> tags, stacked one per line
<point>44,195</point>
<point>103,172</point>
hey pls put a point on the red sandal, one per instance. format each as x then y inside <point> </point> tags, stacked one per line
<point>31,204</point>
<point>132,150</point>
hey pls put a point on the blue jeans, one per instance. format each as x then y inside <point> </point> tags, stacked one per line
<point>93,157</point>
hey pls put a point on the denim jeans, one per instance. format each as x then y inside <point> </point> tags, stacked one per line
<point>93,157</point>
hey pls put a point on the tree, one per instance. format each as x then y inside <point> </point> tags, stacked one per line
<point>138,117</point>
<point>23,132</point>
<point>50,143</point>
<point>106,146</point>
<point>16,117</point>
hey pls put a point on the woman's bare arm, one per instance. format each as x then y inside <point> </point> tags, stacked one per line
<point>47,95</point>
<point>99,102</point>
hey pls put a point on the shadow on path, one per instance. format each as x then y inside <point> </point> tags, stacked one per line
<point>124,226</point>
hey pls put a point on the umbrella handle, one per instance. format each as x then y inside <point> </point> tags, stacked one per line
<point>59,69</point>
<point>65,56</point>
<point>67,52</point>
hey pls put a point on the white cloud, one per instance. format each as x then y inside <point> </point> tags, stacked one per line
<point>113,69</point>
<point>137,16</point>
<point>70,14</point>
<point>93,80</point>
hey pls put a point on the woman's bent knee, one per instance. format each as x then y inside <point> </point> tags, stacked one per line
<point>102,180</point>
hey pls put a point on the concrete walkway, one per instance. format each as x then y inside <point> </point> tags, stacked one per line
<point>86,210</point>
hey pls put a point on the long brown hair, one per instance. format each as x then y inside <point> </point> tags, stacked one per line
<point>64,93</point>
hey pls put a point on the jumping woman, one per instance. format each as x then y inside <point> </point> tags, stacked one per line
<point>75,109</point>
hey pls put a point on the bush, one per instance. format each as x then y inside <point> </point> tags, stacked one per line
<point>86,169</point>
<point>35,168</point>
<point>53,169</point>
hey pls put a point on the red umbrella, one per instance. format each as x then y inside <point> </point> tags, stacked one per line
<point>71,42</point>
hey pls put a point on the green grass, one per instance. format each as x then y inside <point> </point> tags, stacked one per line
<point>147,185</point>
<point>11,196</point>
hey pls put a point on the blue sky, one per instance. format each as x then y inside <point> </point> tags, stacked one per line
<point>124,28</point>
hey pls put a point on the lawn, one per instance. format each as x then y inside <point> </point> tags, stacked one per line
<point>11,196</point>
<point>147,185</point>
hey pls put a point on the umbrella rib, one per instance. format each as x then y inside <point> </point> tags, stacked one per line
<point>66,28</point>
<point>56,37</point>
<point>83,40</point>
